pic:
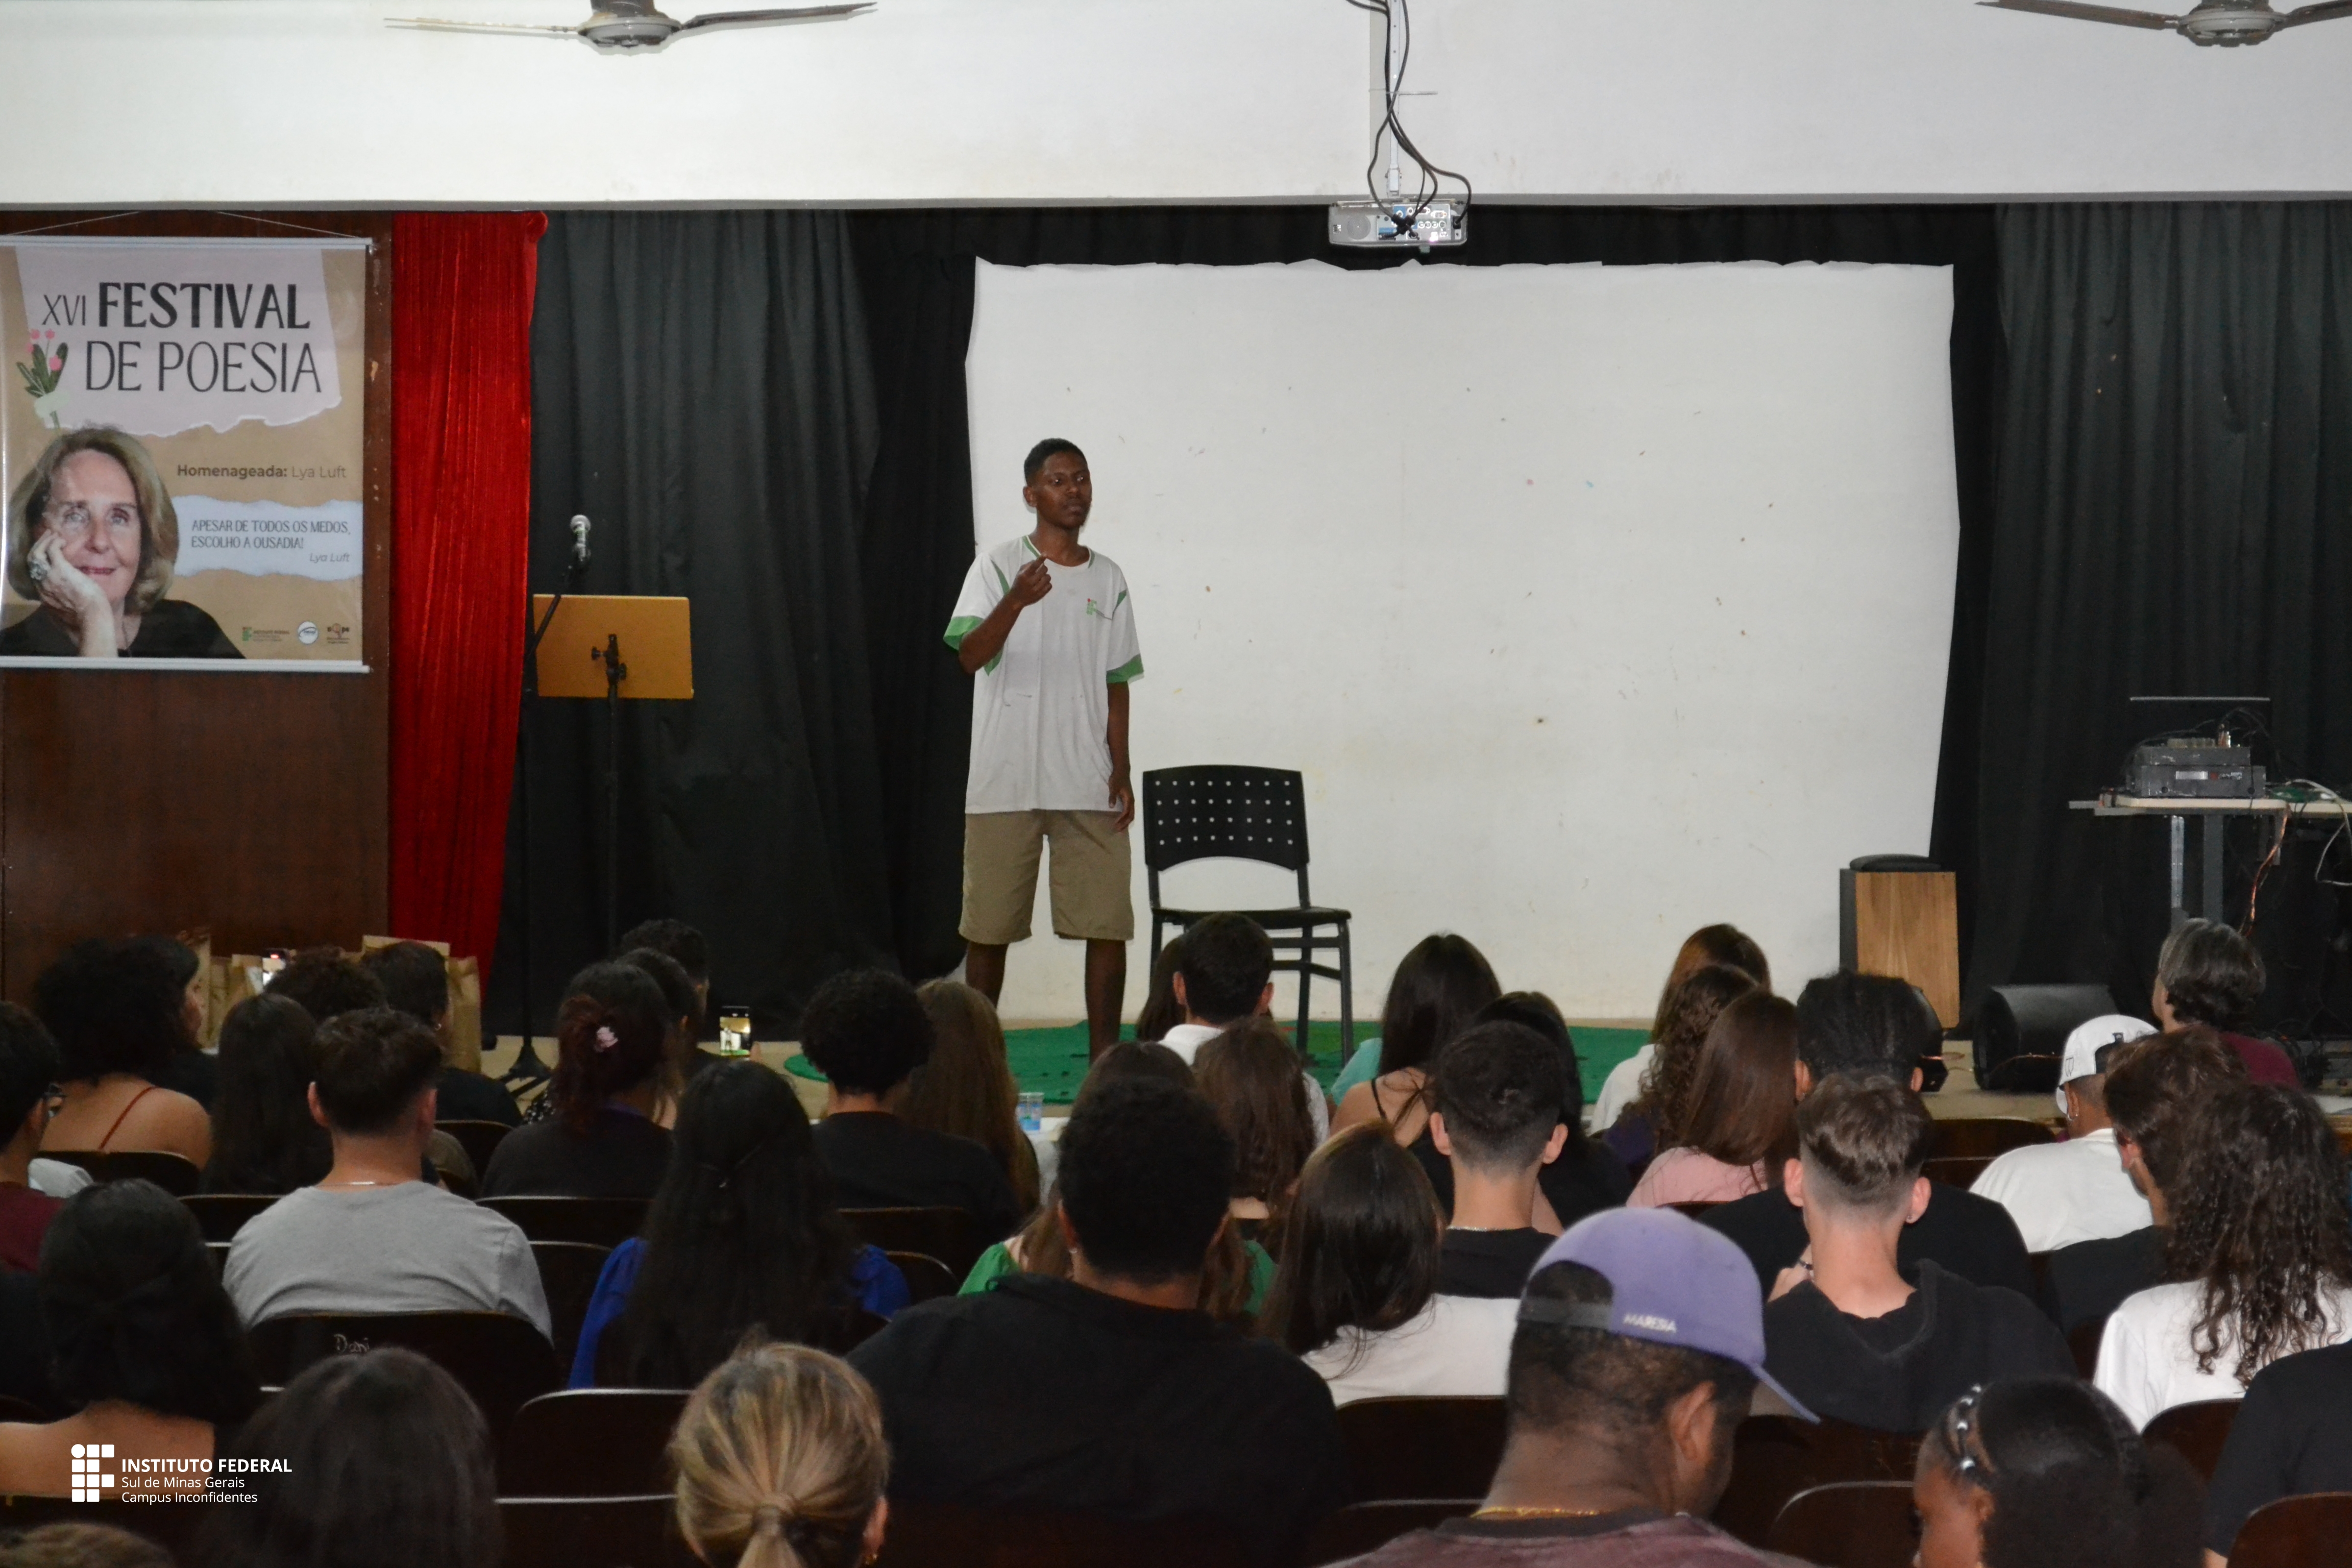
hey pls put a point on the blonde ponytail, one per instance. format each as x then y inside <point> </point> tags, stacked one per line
<point>780,1460</point>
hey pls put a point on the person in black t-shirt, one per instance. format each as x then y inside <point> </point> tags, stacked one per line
<point>1869,1026</point>
<point>1496,1096</point>
<point>1849,1332</point>
<point>1110,1392</point>
<point>866,1032</point>
<point>415,981</point>
<point>601,1142</point>
<point>2293,1436</point>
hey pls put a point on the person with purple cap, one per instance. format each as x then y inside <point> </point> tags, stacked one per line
<point>1639,1344</point>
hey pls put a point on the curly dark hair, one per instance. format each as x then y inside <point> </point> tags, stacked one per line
<point>112,1007</point>
<point>1146,1168</point>
<point>329,983</point>
<point>2072,1485</point>
<point>866,1031</point>
<point>2262,1218</point>
<point>1689,1014</point>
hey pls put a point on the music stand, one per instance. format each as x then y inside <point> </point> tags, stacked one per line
<point>614,646</point>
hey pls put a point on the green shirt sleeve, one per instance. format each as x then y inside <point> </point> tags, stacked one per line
<point>960,628</point>
<point>996,1264</point>
<point>1261,1265</point>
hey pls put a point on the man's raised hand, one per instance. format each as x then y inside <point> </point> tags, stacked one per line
<point>1032,583</point>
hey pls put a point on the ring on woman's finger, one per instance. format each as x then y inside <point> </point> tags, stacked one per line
<point>40,572</point>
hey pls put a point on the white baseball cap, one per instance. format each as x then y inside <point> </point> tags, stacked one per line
<point>2083,1047</point>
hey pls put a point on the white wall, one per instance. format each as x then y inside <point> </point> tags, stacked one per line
<point>235,102</point>
<point>1594,604</point>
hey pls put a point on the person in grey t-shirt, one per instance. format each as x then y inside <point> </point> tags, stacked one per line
<point>372,1237</point>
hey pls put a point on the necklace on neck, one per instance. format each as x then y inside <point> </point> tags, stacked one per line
<point>1543,1512</point>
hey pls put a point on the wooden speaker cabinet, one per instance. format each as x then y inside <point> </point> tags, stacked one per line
<point>1905,923</point>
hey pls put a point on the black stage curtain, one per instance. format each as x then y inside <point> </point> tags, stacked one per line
<point>702,390</point>
<point>2173,494</point>
<point>916,267</point>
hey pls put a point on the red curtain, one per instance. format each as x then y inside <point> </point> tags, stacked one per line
<point>461,303</point>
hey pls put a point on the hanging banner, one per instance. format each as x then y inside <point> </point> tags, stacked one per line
<point>181,446</point>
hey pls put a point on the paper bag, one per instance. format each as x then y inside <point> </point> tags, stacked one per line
<point>462,1042</point>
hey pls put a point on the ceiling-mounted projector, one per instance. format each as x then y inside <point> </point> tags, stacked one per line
<point>1385,226</point>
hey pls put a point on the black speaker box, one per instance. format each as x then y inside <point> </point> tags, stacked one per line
<point>2021,1031</point>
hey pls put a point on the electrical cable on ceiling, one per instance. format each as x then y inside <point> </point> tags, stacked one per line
<point>1396,53</point>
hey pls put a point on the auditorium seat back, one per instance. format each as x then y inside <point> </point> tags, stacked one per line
<point>1982,1137</point>
<point>175,1174</point>
<point>1420,1449</point>
<point>598,1222</point>
<point>590,1442</point>
<point>568,1272</point>
<point>220,1215</point>
<point>2084,1342</point>
<point>928,1278</point>
<point>2199,1430</point>
<point>939,1535</point>
<point>1849,1524</point>
<point>479,1139</point>
<point>593,1532</point>
<point>2313,1532</point>
<point>1775,1457</point>
<point>1955,1170</point>
<point>951,1236</point>
<point>501,1360</point>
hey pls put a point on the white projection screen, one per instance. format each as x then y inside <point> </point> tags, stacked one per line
<point>1595,604</point>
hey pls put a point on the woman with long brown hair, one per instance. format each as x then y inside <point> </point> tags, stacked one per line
<point>965,1087</point>
<point>1709,944</point>
<point>1251,1076</point>
<point>1741,1125</point>
<point>1656,1120</point>
<point>1437,989</point>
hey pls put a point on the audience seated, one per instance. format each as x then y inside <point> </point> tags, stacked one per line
<point>1586,1177</point>
<point>1739,1124</point>
<point>1716,945</point>
<point>28,1071</point>
<point>1251,1076</point>
<point>117,1017</point>
<point>363,1461</point>
<point>1869,1025</point>
<point>2042,1472</point>
<point>144,1346</point>
<point>2207,973</point>
<point>1496,1118</point>
<point>742,1236</point>
<point>965,1087</point>
<point>1224,977</point>
<point>1110,1392</point>
<point>1653,1121</point>
<point>866,1031</point>
<point>1160,1010</point>
<point>372,1237</point>
<point>2076,1190</point>
<point>601,1142</point>
<point>2152,1090</point>
<point>2292,1436</point>
<point>682,945</point>
<point>265,1138</point>
<point>1845,1331</point>
<point>1238,1272</point>
<point>682,1054</point>
<point>1356,1294</point>
<point>415,981</point>
<point>2259,1246</point>
<point>328,983</point>
<point>1639,1345</point>
<point>1437,989</point>
<point>781,1463</point>
<point>189,1070</point>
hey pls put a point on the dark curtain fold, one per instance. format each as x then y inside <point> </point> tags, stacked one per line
<point>703,393</point>
<point>461,311</point>
<point>917,268</point>
<point>2174,490</point>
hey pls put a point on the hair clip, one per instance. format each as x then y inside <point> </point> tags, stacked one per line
<point>605,1039</point>
<point>1959,1422</point>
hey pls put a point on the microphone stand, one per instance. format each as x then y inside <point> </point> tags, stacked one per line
<point>527,1067</point>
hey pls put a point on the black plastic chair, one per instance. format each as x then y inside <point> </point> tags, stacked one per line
<point>1248,814</point>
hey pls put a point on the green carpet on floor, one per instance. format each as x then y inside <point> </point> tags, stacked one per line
<point>1052,1061</point>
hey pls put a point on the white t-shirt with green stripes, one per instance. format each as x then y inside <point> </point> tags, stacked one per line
<point>1041,708</point>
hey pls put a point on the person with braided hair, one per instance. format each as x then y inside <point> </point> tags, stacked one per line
<point>780,1462</point>
<point>2258,1250</point>
<point>2045,1472</point>
<point>1656,1117</point>
<point>144,1341</point>
<point>613,1036</point>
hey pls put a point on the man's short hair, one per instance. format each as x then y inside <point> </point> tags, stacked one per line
<point>2211,974</point>
<point>2153,1088</point>
<point>866,1031</point>
<point>372,1064</point>
<point>28,1065</point>
<point>327,983</point>
<point>1146,1174</point>
<point>1052,445</point>
<point>1225,962</point>
<point>1499,1088</point>
<point>416,980</point>
<point>1863,1141</point>
<point>1866,1025</point>
<point>1617,1388</point>
<point>684,945</point>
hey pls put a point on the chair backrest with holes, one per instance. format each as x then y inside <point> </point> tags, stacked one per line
<point>590,1442</point>
<point>1420,1447</point>
<point>1243,814</point>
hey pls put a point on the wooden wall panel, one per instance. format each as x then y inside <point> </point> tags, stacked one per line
<point>255,804</point>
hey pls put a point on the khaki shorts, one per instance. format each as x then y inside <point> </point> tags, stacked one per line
<point>1090,878</point>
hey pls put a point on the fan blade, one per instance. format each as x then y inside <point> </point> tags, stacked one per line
<point>2115,13</point>
<point>2326,11</point>
<point>434,25</point>
<point>789,13</point>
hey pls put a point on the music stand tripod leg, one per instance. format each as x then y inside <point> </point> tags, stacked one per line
<point>2178,825</point>
<point>2211,888</point>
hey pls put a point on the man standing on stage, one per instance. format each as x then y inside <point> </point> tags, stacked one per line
<point>1045,624</point>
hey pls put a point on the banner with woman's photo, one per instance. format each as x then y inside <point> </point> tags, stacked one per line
<point>181,446</point>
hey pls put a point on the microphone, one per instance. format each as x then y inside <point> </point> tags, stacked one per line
<point>579,541</point>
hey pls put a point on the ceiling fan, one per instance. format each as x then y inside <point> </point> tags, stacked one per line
<point>2229,23</point>
<point>640,25</point>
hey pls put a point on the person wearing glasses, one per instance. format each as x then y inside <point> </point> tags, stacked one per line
<point>93,537</point>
